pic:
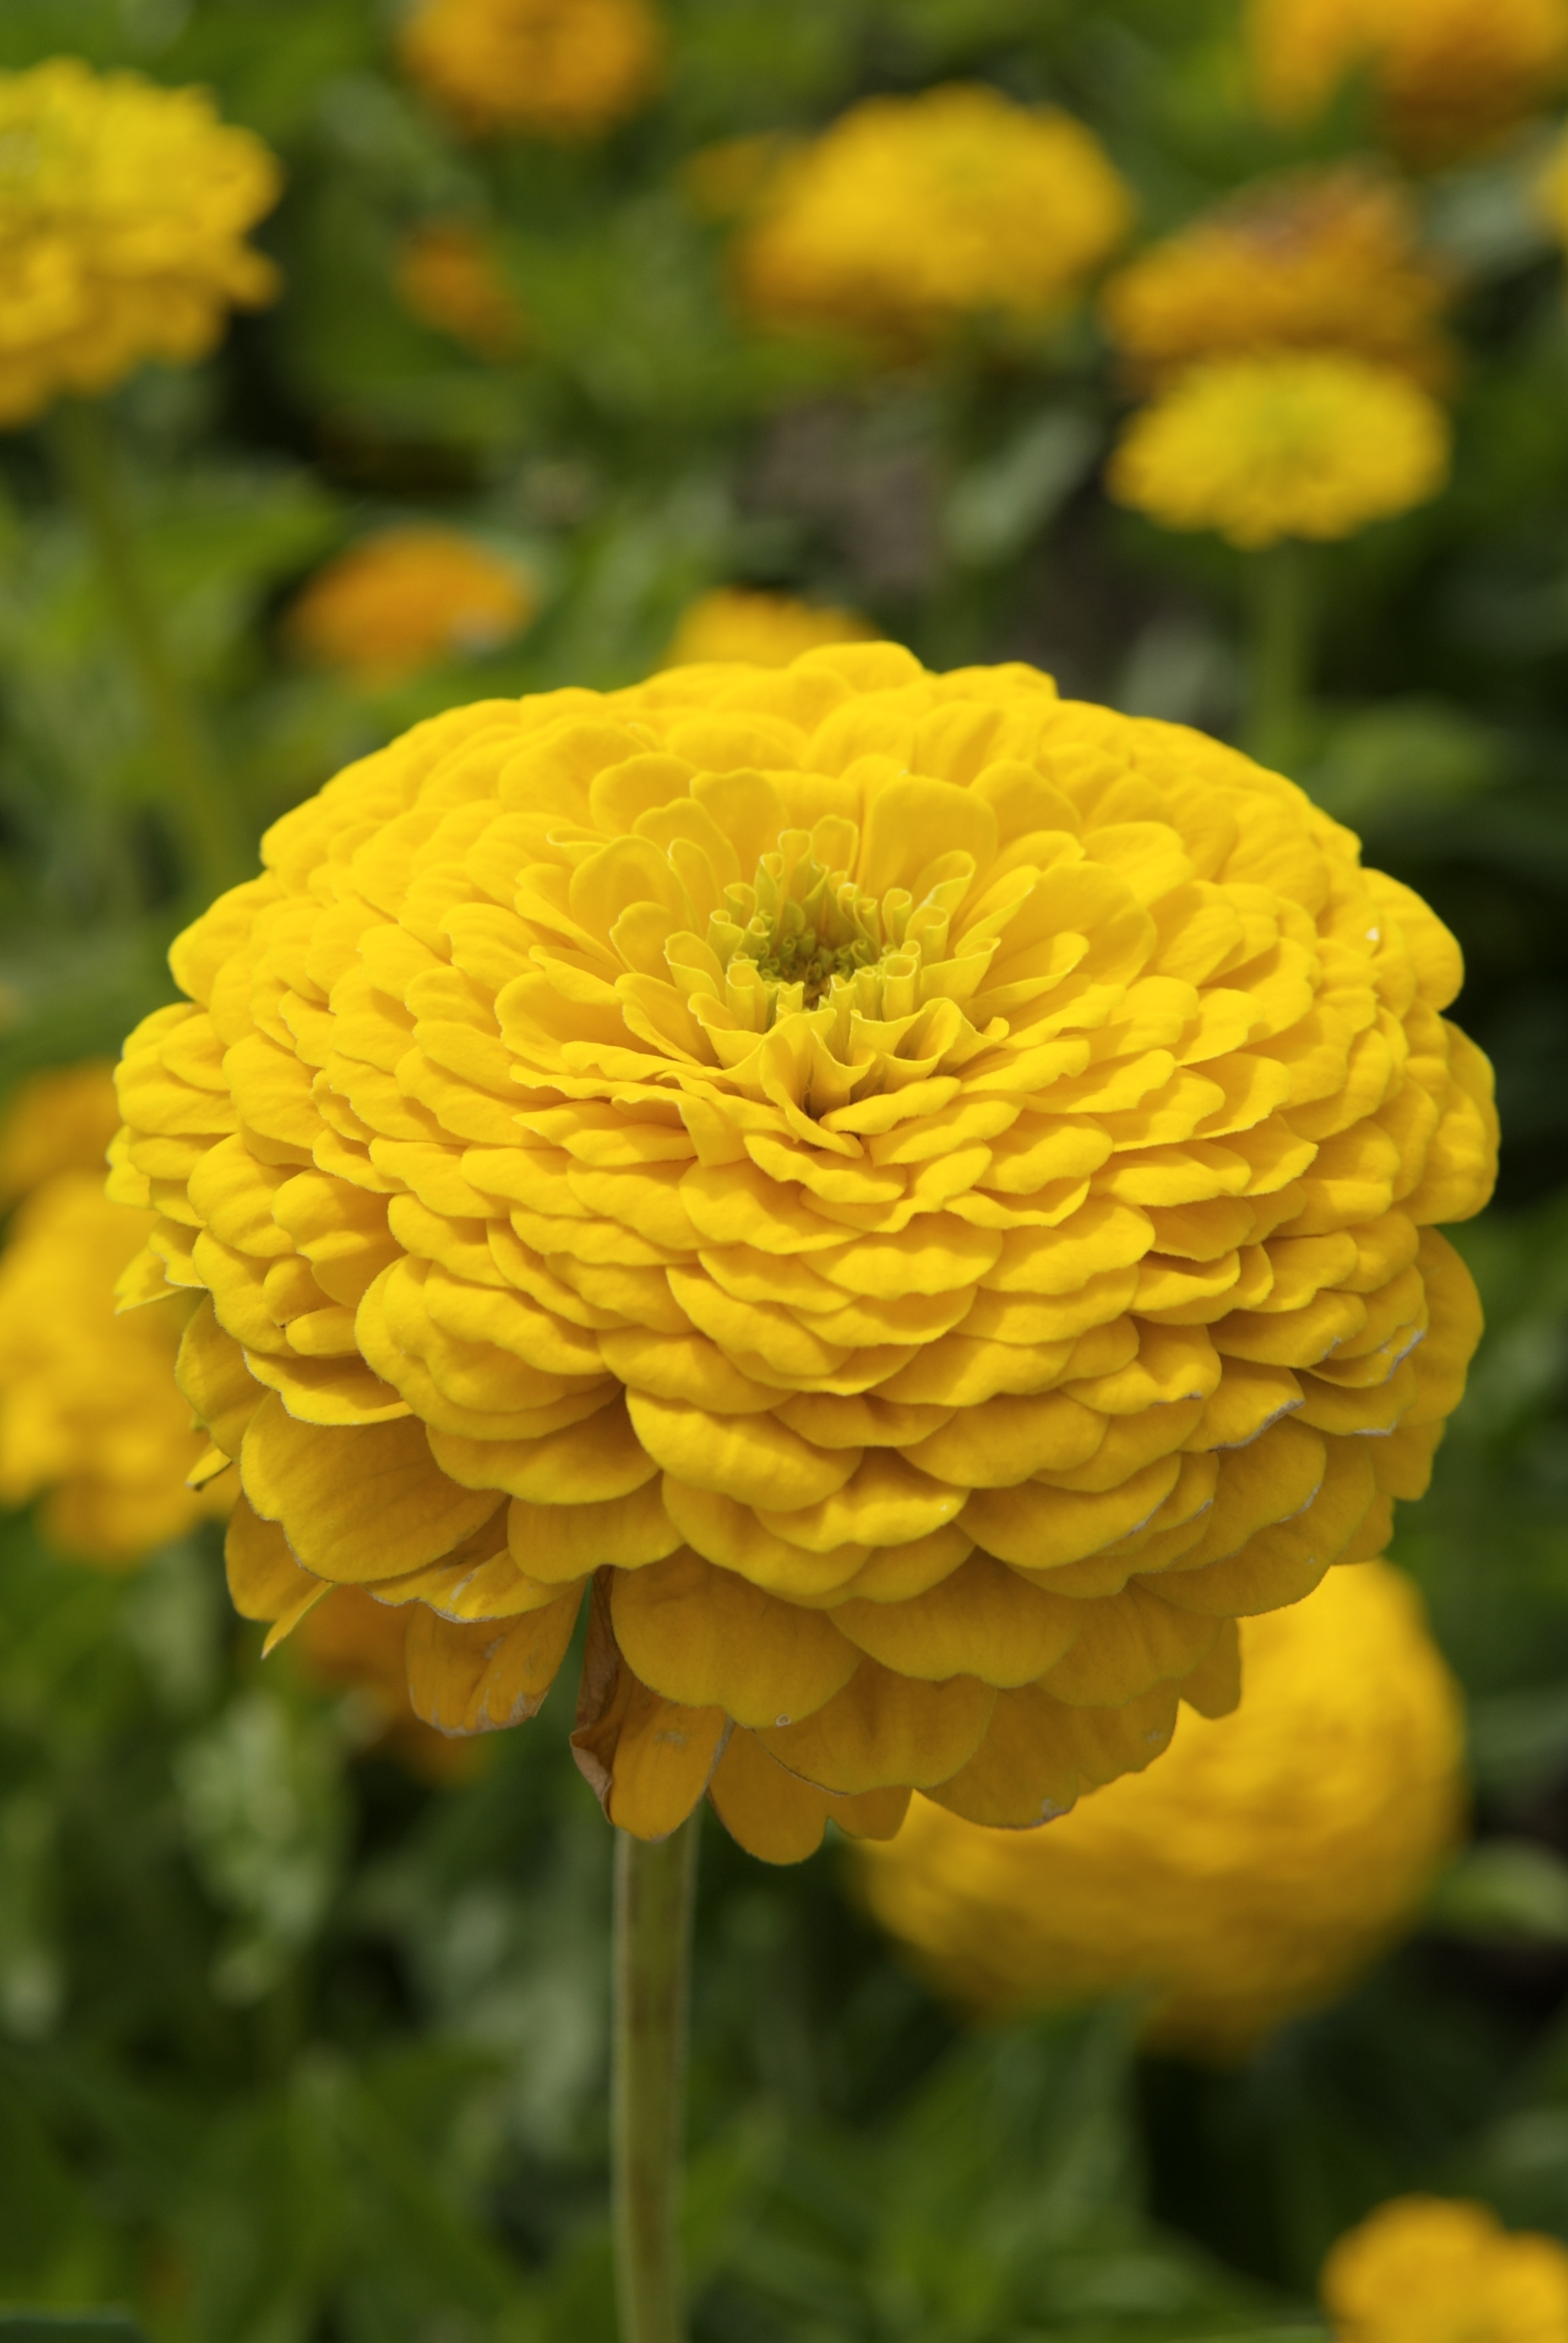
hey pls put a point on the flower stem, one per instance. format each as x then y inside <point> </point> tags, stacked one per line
<point>1277,583</point>
<point>194,796</point>
<point>654,1886</point>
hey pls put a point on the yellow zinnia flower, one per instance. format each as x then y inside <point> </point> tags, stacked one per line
<point>1326,260</point>
<point>736,622</point>
<point>558,68</point>
<point>123,210</point>
<point>1449,75</point>
<point>448,278</point>
<point>911,213</point>
<point>408,599</point>
<point>1262,448</point>
<point>1428,2269</point>
<point>1246,1876</point>
<point>89,1417</point>
<point>917,1190</point>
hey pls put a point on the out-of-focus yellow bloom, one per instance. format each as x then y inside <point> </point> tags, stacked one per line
<point>1552,189</point>
<point>123,210</point>
<point>448,278</point>
<point>1326,260</point>
<point>736,622</point>
<point>88,1416</point>
<point>62,1120</point>
<point>911,213</point>
<point>1449,75</point>
<point>1245,1877</point>
<point>918,1191</point>
<point>407,600</point>
<point>563,69</point>
<point>351,1641</point>
<point>1432,2269</point>
<point>1262,448</point>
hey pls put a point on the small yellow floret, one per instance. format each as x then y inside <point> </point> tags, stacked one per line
<point>1323,260</point>
<point>564,69</point>
<point>448,278</point>
<point>1432,2269</point>
<point>917,1191</point>
<point>1449,75</point>
<point>1246,1876</point>
<point>88,1416</point>
<point>123,210</point>
<point>760,629</point>
<point>407,600</point>
<point>909,214</point>
<point>1260,448</point>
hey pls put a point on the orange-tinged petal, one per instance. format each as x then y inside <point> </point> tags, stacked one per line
<point>981,1619</point>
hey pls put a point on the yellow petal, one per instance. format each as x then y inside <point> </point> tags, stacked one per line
<point>222,1393</point>
<point>1125,1646</point>
<point>1038,1526</point>
<point>704,1637</point>
<point>598,1458</point>
<point>885,1502</point>
<point>1040,1756</point>
<point>356,1505</point>
<point>754,1459</point>
<point>483,1677</point>
<point>981,1620</point>
<point>648,1760</point>
<point>731,1534</point>
<point>886,1732</point>
<point>772,1813</point>
<point>264,1582</point>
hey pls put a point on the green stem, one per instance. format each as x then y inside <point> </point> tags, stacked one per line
<point>654,1886</point>
<point>194,796</point>
<point>1281,653</point>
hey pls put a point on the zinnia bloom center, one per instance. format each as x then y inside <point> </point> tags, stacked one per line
<point>803,937</point>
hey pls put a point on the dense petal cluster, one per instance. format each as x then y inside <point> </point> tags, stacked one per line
<point>911,213</point>
<point>90,1418</point>
<point>564,69</point>
<point>1450,75</point>
<point>1268,1856</point>
<point>743,624</point>
<point>1433,2269</point>
<point>408,599</point>
<point>1324,260</point>
<point>448,278</point>
<point>922,1192</point>
<point>1260,448</point>
<point>123,210</point>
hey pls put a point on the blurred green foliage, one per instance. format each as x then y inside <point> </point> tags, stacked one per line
<point>295,2049</point>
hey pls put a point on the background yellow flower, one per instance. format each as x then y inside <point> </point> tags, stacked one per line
<point>89,1418</point>
<point>1449,75</point>
<point>1325,260</point>
<point>809,1150</point>
<point>1242,1879</point>
<point>123,210</point>
<point>448,278</point>
<point>737,622</point>
<point>408,599</point>
<point>1260,448</point>
<point>909,214</point>
<point>1428,2269</point>
<point>557,68</point>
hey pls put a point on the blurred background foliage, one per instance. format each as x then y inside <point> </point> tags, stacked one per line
<point>298,2044</point>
